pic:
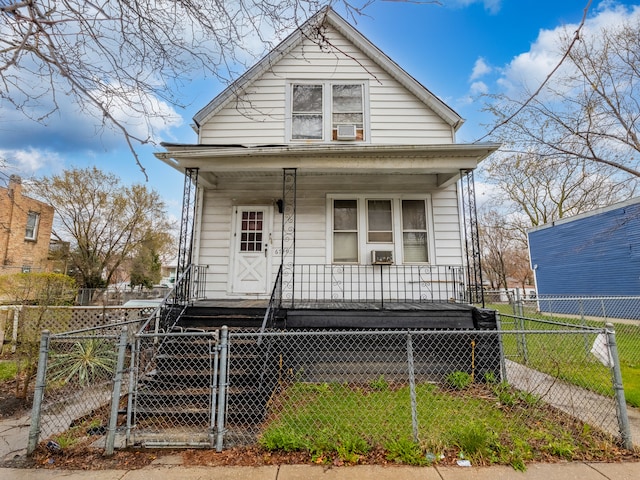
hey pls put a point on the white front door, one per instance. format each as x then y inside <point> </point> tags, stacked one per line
<point>251,250</point>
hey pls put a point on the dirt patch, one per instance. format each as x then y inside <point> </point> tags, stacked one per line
<point>10,406</point>
<point>87,458</point>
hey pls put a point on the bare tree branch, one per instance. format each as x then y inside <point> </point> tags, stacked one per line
<point>576,37</point>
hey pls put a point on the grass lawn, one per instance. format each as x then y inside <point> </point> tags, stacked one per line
<point>488,424</point>
<point>7,370</point>
<point>568,356</point>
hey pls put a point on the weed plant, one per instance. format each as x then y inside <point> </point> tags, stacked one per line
<point>488,423</point>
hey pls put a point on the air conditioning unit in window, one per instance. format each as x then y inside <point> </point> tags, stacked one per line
<point>346,132</point>
<point>381,257</point>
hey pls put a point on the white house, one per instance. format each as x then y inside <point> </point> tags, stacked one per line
<point>330,164</point>
<point>323,192</point>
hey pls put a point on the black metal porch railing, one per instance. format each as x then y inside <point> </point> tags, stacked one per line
<point>378,284</point>
<point>191,285</point>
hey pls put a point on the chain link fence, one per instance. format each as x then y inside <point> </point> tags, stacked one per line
<point>78,382</point>
<point>552,311</point>
<point>428,386</point>
<point>507,395</point>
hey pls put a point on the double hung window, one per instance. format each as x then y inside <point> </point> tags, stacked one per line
<point>327,111</point>
<point>363,224</point>
<point>307,112</point>
<point>347,107</point>
<point>414,231</point>
<point>380,222</point>
<point>345,231</point>
<point>31,231</point>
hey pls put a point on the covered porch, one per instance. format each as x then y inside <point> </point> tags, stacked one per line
<point>342,297</point>
<point>299,267</point>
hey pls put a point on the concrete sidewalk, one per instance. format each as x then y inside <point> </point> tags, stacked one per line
<point>561,471</point>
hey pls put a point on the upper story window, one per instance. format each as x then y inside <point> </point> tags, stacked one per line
<point>347,112</point>
<point>31,232</point>
<point>306,112</point>
<point>328,111</point>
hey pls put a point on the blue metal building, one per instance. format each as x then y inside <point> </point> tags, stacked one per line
<point>592,254</point>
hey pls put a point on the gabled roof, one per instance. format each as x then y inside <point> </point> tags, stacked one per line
<point>330,17</point>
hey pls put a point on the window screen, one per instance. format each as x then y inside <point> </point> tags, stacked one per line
<point>345,231</point>
<point>414,231</point>
<point>306,112</point>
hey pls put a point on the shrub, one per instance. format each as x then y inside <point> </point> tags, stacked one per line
<point>458,380</point>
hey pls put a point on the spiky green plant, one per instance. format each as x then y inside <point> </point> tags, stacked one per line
<point>86,362</point>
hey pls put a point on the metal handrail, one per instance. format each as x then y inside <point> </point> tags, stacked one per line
<point>175,296</point>
<point>274,303</point>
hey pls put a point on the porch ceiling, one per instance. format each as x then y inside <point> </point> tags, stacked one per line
<point>445,161</point>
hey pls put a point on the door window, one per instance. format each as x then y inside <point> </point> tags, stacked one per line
<point>251,231</point>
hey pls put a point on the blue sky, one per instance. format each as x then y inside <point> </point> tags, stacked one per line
<point>458,50</point>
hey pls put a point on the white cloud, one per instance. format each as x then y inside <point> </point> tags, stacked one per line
<point>479,88</point>
<point>529,69</point>
<point>27,162</point>
<point>143,115</point>
<point>480,69</point>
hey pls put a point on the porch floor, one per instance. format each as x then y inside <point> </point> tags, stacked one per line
<point>332,314</point>
<point>333,305</point>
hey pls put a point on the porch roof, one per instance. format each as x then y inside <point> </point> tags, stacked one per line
<point>443,160</point>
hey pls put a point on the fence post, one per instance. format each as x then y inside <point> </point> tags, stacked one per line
<point>412,388</point>
<point>519,307</point>
<point>503,363</point>
<point>222,390</point>
<point>115,397</point>
<point>621,403</point>
<point>14,334</point>
<point>214,384</point>
<point>38,394</point>
<point>521,339</point>
<point>133,373</point>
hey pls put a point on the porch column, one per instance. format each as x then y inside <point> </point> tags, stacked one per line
<point>472,238</point>
<point>288,248</point>
<point>185,245</point>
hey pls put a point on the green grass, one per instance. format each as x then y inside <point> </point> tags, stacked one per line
<point>568,356</point>
<point>340,421</point>
<point>8,369</point>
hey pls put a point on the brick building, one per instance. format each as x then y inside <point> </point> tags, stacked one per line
<point>25,230</point>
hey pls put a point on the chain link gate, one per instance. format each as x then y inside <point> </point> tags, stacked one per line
<point>222,389</point>
<point>174,390</point>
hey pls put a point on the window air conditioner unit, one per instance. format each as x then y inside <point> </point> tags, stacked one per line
<point>381,257</point>
<point>346,132</point>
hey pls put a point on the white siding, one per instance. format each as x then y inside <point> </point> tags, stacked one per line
<point>396,116</point>
<point>311,227</point>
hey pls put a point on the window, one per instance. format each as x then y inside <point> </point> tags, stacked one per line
<point>347,109</point>
<point>320,110</point>
<point>379,221</point>
<point>306,112</point>
<point>345,231</point>
<point>31,232</point>
<point>414,231</point>
<point>361,224</point>
<point>251,232</point>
